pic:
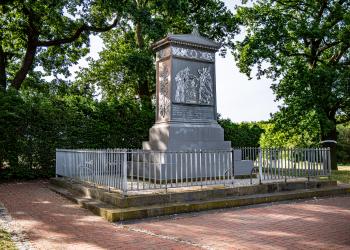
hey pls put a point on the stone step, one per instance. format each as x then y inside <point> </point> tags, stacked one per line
<point>112,213</point>
<point>182,195</point>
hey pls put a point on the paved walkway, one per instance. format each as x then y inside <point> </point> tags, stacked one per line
<point>52,222</point>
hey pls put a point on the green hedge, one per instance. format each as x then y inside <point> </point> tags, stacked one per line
<point>245,134</point>
<point>34,124</point>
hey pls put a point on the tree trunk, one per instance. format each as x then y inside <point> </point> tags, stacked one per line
<point>328,140</point>
<point>138,34</point>
<point>27,62</point>
<point>2,69</point>
<point>145,94</point>
<point>2,158</point>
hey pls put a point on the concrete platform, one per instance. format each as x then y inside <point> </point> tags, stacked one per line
<point>116,207</point>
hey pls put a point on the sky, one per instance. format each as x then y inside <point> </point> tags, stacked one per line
<point>238,98</point>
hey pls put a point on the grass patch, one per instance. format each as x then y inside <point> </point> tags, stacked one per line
<point>6,241</point>
<point>342,175</point>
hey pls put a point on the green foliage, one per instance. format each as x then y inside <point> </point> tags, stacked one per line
<point>12,126</point>
<point>126,65</point>
<point>287,139</point>
<point>343,143</point>
<point>6,241</point>
<point>245,134</point>
<point>342,175</point>
<point>52,34</point>
<point>267,135</point>
<point>304,47</point>
<point>33,124</point>
<point>305,134</point>
<point>43,38</point>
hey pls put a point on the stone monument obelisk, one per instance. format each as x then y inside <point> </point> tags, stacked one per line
<point>186,115</point>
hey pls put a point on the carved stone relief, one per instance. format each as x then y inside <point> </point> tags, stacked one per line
<point>187,53</point>
<point>163,53</point>
<point>205,86</point>
<point>194,88</point>
<point>164,99</point>
<point>192,53</point>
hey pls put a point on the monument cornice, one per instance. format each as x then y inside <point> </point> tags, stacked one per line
<point>157,47</point>
<point>191,40</point>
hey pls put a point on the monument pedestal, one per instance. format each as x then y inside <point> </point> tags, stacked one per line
<point>177,136</point>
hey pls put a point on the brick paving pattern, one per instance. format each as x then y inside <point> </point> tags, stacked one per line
<point>52,222</point>
<point>308,224</point>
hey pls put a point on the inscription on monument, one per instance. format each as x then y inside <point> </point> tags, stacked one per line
<point>194,88</point>
<point>185,112</point>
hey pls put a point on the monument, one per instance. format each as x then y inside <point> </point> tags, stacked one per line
<point>186,115</point>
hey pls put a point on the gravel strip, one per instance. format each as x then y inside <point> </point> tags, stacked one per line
<point>18,237</point>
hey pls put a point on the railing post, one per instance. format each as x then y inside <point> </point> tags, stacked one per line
<point>285,165</point>
<point>260,166</point>
<point>308,164</point>
<point>200,167</point>
<point>329,162</point>
<point>233,166</point>
<point>125,169</point>
<point>57,162</point>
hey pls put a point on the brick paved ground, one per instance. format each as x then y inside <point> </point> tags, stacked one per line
<point>53,222</point>
<point>308,224</point>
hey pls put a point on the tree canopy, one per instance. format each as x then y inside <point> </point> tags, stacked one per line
<point>42,38</point>
<point>49,35</point>
<point>126,65</point>
<point>304,46</point>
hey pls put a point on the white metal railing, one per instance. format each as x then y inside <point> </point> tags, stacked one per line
<point>131,170</point>
<point>143,170</point>
<point>288,163</point>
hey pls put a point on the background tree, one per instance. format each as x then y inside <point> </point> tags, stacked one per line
<point>126,65</point>
<point>343,151</point>
<point>51,34</point>
<point>41,38</point>
<point>304,46</point>
<point>244,134</point>
<point>305,135</point>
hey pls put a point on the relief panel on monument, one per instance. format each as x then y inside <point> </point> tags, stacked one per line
<point>193,54</point>
<point>194,87</point>
<point>164,95</point>
<point>186,53</point>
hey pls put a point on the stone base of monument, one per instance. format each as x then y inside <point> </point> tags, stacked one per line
<point>186,136</point>
<point>180,151</point>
